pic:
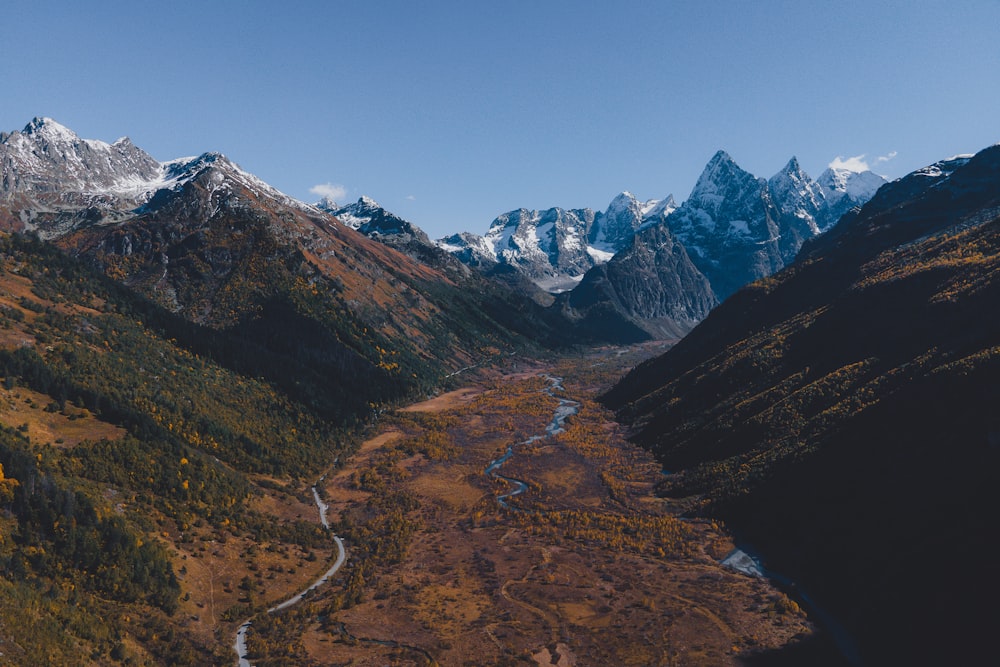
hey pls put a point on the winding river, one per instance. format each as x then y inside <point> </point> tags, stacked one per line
<point>241,635</point>
<point>566,409</point>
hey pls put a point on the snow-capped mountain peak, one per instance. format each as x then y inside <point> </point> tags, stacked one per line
<point>46,156</point>
<point>354,215</point>
<point>719,171</point>
<point>43,126</point>
<point>660,210</point>
<point>555,247</point>
<point>625,214</point>
<point>797,196</point>
<point>722,180</point>
<point>53,174</point>
<point>853,187</point>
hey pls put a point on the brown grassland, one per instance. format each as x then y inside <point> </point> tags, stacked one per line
<point>589,567</point>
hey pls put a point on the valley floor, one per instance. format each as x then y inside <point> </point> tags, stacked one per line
<point>587,567</point>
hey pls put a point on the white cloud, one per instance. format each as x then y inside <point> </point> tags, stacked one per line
<point>331,191</point>
<point>410,198</point>
<point>856,164</point>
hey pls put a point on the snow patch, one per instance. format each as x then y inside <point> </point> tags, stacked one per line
<point>598,255</point>
<point>740,226</point>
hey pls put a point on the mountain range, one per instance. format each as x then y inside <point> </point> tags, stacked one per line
<point>220,248</point>
<point>103,200</point>
<point>735,227</point>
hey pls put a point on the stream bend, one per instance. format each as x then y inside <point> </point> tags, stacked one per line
<point>566,409</point>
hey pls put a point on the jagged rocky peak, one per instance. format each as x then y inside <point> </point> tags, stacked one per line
<point>623,216</point>
<point>471,249</point>
<point>327,204</point>
<point>650,285</point>
<point>353,215</point>
<point>368,217</point>
<point>661,209</point>
<point>722,180</point>
<point>543,244</point>
<point>47,157</point>
<point>738,227</point>
<point>45,128</point>
<point>52,182</point>
<point>613,229</point>
<point>729,226</point>
<point>555,247</point>
<point>792,186</point>
<point>727,203</point>
<point>800,201</point>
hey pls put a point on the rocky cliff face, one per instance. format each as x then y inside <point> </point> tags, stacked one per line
<point>738,228</point>
<point>729,226</point>
<point>651,284</point>
<point>555,247</point>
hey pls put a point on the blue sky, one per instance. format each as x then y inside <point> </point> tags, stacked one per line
<point>450,113</point>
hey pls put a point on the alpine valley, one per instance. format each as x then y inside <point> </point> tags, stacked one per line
<point>755,427</point>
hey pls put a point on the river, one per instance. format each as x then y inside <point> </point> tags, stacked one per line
<point>565,410</point>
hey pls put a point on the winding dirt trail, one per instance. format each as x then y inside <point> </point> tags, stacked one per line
<point>240,646</point>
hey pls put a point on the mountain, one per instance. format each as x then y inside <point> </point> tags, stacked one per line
<point>650,287</point>
<point>554,248</point>
<point>546,246</point>
<point>51,180</point>
<point>734,227</point>
<point>371,219</point>
<point>181,346</point>
<point>613,229</point>
<point>844,189</point>
<point>138,433</point>
<point>802,208</point>
<point>840,416</point>
<point>729,226</point>
<point>738,228</point>
<point>471,249</point>
<point>48,159</point>
<point>220,247</point>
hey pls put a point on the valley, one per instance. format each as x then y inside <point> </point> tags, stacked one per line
<point>586,566</point>
<point>238,428</point>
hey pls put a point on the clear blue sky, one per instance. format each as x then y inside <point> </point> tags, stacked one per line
<point>449,113</point>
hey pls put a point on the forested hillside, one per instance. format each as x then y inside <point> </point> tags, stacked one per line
<point>129,430</point>
<point>842,415</point>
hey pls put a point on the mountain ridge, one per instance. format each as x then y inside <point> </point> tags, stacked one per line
<point>217,245</point>
<point>736,227</point>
